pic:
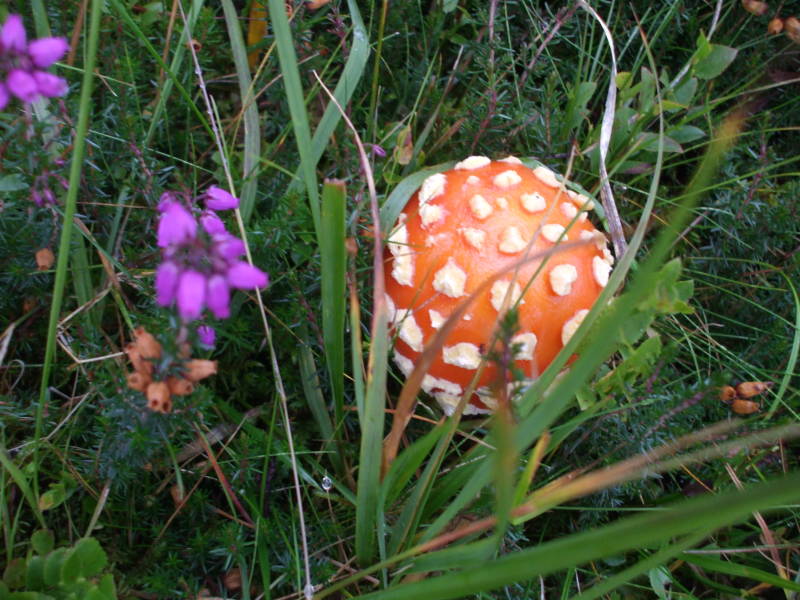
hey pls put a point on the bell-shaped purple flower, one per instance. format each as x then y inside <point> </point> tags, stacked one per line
<point>12,34</point>
<point>176,225</point>
<point>167,276</point>
<point>206,335</point>
<point>218,296</point>
<point>4,95</point>
<point>22,85</point>
<point>219,199</point>
<point>50,85</point>
<point>191,295</point>
<point>212,223</point>
<point>230,247</point>
<point>245,276</point>
<point>45,51</point>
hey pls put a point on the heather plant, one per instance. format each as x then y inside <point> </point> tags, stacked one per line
<point>222,432</point>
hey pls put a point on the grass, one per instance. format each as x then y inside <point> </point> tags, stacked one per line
<point>626,477</point>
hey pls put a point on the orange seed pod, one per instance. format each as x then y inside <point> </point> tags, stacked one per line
<point>775,26</point>
<point>44,259</point>
<point>179,386</point>
<point>727,393</point>
<point>748,389</point>
<point>744,407</point>
<point>146,343</point>
<point>139,363</point>
<point>792,28</point>
<point>755,7</point>
<point>158,397</point>
<point>138,381</point>
<point>198,368</point>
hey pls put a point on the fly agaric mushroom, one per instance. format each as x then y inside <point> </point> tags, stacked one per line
<point>467,224</point>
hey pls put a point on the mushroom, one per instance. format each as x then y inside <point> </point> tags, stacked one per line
<point>462,227</point>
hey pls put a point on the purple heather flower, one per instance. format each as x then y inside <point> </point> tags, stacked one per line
<point>45,51</point>
<point>167,276</point>
<point>231,247</point>
<point>12,34</point>
<point>218,296</point>
<point>22,85</point>
<point>206,335</point>
<point>50,85</point>
<point>219,199</point>
<point>212,223</point>
<point>245,276</point>
<point>4,96</point>
<point>176,225</point>
<point>191,295</point>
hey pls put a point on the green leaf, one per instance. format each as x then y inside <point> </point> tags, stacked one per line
<point>12,183</point>
<point>686,133</point>
<point>14,573</point>
<point>715,62</point>
<point>660,580</point>
<point>34,576</point>
<point>650,142</point>
<point>52,567</point>
<point>85,559</point>
<point>42,541</point>
<point>577,110</point>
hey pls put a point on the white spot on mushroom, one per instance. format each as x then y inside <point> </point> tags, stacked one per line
<point>607,256</point>
<point>527,345</point>
<point>410,331</point>
<point>432,187</point>
<point>571,326</point>
<point>499,291</point>
<point>512,241</point>
<point>466,318</point>
<point>487,397</point>
<point>474,237</point>
<point>506,179</point>
<point>600,270</point>
<point>562,277</point>
<point>554,232</point>
<point>398,240</point>
<point>391,309</point>
<point>502,203</point>
<point>534,202</point>
<point>450,279</point>
<point>480,208</point>
<point>512,160</point>
<point>403,269</point>
<point>437,318</point>
<point>464,355</point>
<point>431,241</point>
<point>581,201</point>
<point>546,176</point>
<point>430,213</point>
<point>600,240</point>
<point>473,180</point>
<point>431,384</point>
<point>449,403</point>
<point>405,364</point>
<point>569,210</point>
<point>472,162</point>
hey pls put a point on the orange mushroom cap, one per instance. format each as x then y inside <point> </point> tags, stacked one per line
<point>467,224</point>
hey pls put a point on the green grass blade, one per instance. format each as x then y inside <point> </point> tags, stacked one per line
<point>166,88</point>
<point>687,517</point>
<point>122,11</point>
<point>348,82</point>
<point>369,471</point>
<point>333,258</point>
<point>252,132</point>
<point>297,107</point>
<point>70,203</point>
<point>22,484</point>
<point>711,563</point>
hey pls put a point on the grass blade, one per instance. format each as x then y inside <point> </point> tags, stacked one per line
<point>705,513</point>
<point>333,260</point>
<point>252,132</point>
<point>297,106</point>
